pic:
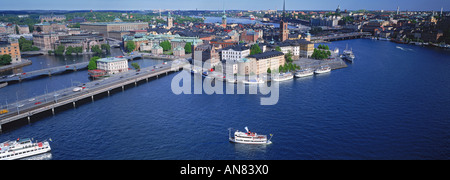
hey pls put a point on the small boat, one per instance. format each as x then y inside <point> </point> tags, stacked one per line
<point>348,55</point>
<point>304,73</point>
<point>248,137</point>
<point>283,77</point>
<point>323,69</point>
<point>253,81</point>
<point>21,148</point>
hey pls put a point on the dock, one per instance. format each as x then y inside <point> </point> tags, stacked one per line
<point>29,110</point>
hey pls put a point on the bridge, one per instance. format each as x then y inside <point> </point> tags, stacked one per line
<point>337,37</point>
<point>30,110</point>
<point>45,72</point>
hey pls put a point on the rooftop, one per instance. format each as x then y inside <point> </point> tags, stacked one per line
<point>266,55</point>
<point>111,59</point>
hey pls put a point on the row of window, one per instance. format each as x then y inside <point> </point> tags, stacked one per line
<point>31,150</point>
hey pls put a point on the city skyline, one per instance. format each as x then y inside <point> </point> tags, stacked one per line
<point>410,5</point>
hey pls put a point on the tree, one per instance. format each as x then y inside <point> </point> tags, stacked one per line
<point>255,49</point>
<point>96,49</point>
<point>78,49</point>
<point>60,50</point>
<point>281,68</point>
<point>106,47</point>
<point>136,66</point>
<point>69,50</point>
<point>166,45</point>
<point>288,57</point>
<point>130,46</point>
<point>269,71</point>
<point>278,49</point>
<point>93,63</point>
<point>5,59</point>
<point>188,48</point>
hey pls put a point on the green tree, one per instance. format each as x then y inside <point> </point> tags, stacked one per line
<point>288,57</point>
<point>188,48</point>
<point>93,63</point>
<point>69,50</point>
<point>166,45</point>
<point>78,49</point>
<point>130,46</point>
<point>96,49</point>
<point>136,66</point>
<point>255,49</point>
<point>278,49</point>
<point>5,59</point>
<point>60,50</point>
<point>106,47</point>
<point>269,71</point>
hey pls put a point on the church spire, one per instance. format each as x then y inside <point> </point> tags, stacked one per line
<point>284,9</point>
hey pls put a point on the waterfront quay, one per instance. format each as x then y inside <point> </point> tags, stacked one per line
<point>30,110</point>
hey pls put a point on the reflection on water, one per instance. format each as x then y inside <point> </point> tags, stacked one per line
<point>45,156</point>
<point>250,150</point>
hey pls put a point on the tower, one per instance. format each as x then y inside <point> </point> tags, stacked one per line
<point>224,17</point>
<point>338,10</point>
<point>284,31</point>
<point>398,10</point>
<point>169,21</point>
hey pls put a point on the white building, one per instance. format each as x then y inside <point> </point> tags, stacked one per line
<point>113,65</point>
<point>235,53</point>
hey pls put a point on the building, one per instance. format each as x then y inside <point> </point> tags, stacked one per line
<point>12,49</point>
<point>50,18</point>
<point>284,31</point>
<point>251,36</point>
<point>85,41</point>
<point>148,41</point>
<point>47,27</point>
<point>105,27</point>
<point>260,63</point>
<point>112,65</point>
<point>179,51</point>
<point>224,19</point>
<point>331,21</point>
<point>234,53</point>
<point>157,49</point>
<point>204,53</point>
<point>45,41</point>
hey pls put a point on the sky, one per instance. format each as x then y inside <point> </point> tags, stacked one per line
<point>411,5</point>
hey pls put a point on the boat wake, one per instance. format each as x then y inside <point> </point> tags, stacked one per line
<point>404,49</point>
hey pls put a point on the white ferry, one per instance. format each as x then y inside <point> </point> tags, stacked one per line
<point>253,81</point>
<point>323,69</point>
<point>283,77</point>
<point>21,148</point>
<point>304,73</point>
<point>248,137</point>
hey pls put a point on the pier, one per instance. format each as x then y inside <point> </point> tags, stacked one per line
<point>29,110</point>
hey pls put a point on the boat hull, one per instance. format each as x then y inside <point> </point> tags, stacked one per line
<point>304,74</point>
<point>249,142</point>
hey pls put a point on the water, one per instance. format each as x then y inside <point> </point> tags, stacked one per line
<point>392,103</point>
<point>243,21</point>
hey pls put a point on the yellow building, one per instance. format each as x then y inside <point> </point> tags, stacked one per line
<point>12,49</point>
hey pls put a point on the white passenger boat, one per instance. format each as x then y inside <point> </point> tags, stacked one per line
<point>248,137</point>
<point>283,77</point>
<point>21,148</point>
<point>323,69</point>
<point>253,81</point>
<point>304,73</point>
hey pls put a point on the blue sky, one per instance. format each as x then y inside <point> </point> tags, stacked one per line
<point>229,4</point>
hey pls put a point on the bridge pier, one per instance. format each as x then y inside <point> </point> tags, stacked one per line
<point>0,128</point>
<point>49,73</point>
<point>108,93</point>
<point>123,88</point>
<point>74,68</point>
<point>29,120</point>
<point>92,97</point>
<point>53,111</point>
<point>74,105</point>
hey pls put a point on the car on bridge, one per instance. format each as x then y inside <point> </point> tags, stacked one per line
<point>3,111</point>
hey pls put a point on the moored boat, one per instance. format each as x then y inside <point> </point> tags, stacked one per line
<point>283,77</point>
<point>323,69</point>
<point>304,73</point>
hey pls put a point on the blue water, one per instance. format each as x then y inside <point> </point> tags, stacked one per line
<point>392,103</point>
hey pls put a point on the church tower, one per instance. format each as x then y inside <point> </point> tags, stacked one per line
<point>169,21</point>
<point>224,18</point>
<point>284,31</point>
